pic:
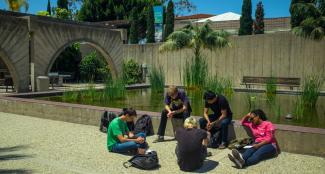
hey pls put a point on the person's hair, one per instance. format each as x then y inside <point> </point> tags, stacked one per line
<point>209,95</point>
<point>172,90</point>
<point>129,111</point>
<point>190,122</point>
<point>260,113</point>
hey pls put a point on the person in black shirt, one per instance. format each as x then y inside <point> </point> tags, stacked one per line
<point>191,149</point>
<point>177,105</point>
<point>220,119</point>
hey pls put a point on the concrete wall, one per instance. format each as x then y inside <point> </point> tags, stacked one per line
<point>277,54</point>
<point>291,138</point>
<point>51,36</point>
<point>14,50</point>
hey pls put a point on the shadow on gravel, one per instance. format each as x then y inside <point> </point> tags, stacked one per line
<point>14,148</point>
<point>208,165</point>
<point>15,171</point>
<point>6,156</point>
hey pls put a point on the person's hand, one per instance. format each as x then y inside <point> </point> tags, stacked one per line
<point>139,140</point>
<point>170,114</point>
<point>217,125</point>
<point>256,146</point>
<point>131,134</point>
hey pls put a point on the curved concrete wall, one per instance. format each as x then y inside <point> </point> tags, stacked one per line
<point>51,37</point>
<point>30,44</point>
<point>14,50</point>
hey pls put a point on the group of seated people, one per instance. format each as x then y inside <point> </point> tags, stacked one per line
<point>191,152</point>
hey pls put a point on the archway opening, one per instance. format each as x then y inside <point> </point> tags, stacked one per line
<point>79,63</point>
<point>6,78</point>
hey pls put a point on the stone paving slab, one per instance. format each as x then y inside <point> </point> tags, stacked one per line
<point>33,145</point>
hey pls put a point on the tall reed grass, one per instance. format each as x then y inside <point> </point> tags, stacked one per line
<point>114,89</point>
<point>222,86</point>
<point>157,79</point>
<point>270,89</point>
<point>311,90</point>
<point>195,73</point>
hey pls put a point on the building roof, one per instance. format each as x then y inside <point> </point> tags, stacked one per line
<point>229,16</point>
<point>196,16</point>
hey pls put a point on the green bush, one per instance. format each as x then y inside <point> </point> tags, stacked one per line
<point>93,68</point>
<point>132,72</point>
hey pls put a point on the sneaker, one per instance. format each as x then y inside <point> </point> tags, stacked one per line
<point>222,146</point>
<point>235,161</point>
<point>238,156</point>
<point>159,139</point>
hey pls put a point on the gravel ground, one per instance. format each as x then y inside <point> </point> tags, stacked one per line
<point>33,145</point>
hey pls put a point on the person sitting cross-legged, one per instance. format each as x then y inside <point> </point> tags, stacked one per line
<point>177,105</point>
<point>191,149</point>
<point>265,145</point>
<point>120,139</point>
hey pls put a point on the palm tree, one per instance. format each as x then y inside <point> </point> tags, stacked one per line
<point>311,27</point>
<point>309,19</point>
<point>15,5</point>
<point>196,38</point>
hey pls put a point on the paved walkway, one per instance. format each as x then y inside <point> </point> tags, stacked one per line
<point>33,145</point>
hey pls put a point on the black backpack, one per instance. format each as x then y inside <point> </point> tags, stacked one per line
<point>147,161</point>
<point>106,118</point>
<point>144,124</point>
<point>215,140</point>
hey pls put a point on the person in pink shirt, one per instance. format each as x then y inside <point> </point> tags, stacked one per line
<point>265,145</point>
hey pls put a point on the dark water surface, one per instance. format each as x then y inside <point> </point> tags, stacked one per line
<point>240,103</point>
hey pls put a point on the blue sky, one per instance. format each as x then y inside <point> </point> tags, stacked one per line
<point>272,8</point>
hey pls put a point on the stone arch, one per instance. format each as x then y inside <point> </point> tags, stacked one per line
<point>93,44</point>
<point>11,68</point>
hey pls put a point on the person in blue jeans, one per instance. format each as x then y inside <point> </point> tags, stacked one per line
<point>177,105</point>
<point>265,145</point>
<point>120,139</point>
<point>220,119</point>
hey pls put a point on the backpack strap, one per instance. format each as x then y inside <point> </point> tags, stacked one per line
<point>127,164</point>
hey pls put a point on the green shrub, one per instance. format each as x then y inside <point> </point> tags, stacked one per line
<point>132,72</point>
<point>93,68</point>
<point>157,79</point>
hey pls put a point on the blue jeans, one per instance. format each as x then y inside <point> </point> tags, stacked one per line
<point>130,145</point>
<point>253,156</point>
<point>224,126</point>
<point>163,120</point>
